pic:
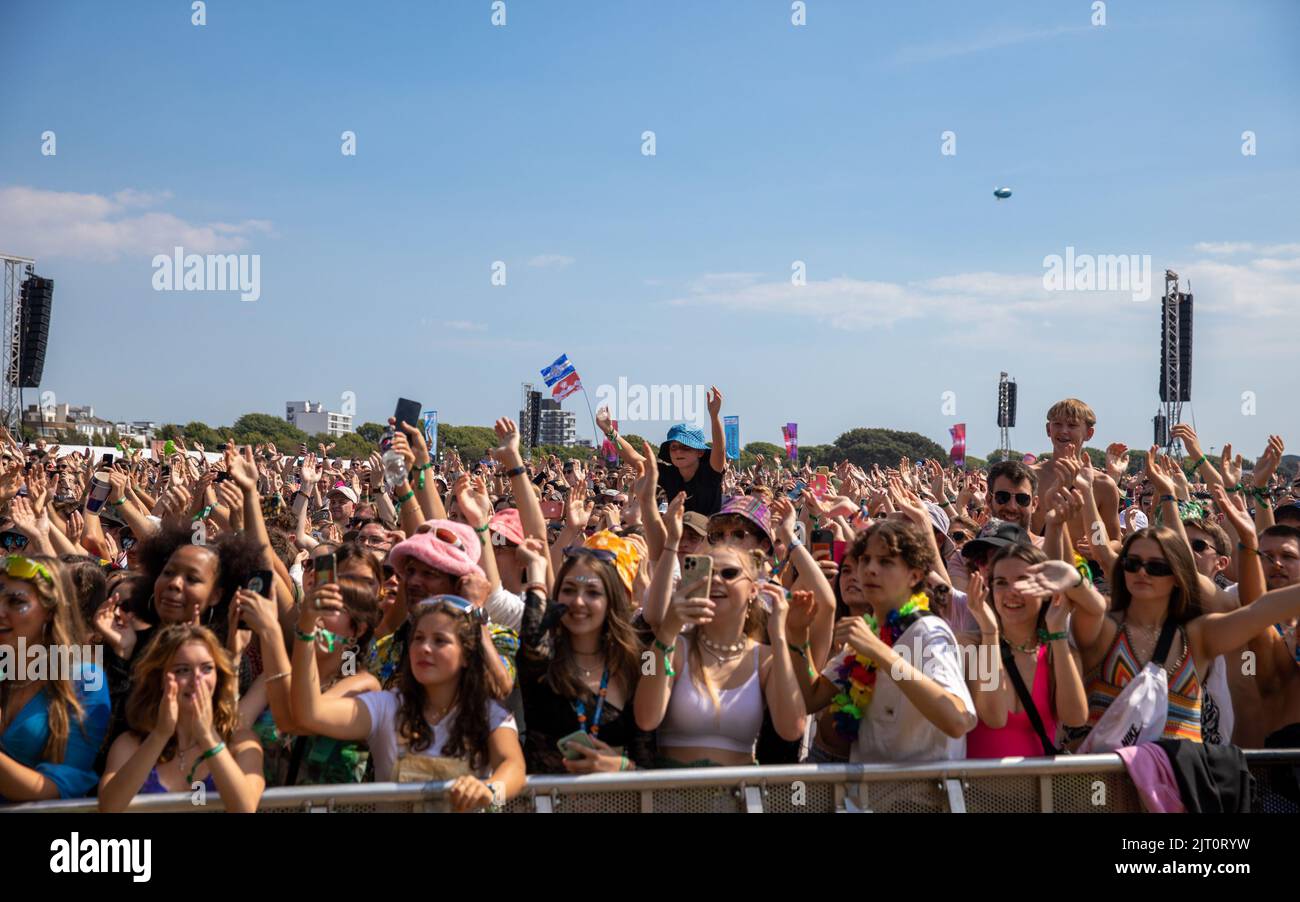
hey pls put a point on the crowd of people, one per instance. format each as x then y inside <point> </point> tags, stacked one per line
<point>257,618</point>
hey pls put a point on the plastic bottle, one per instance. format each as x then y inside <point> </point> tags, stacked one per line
<point>394,464</point>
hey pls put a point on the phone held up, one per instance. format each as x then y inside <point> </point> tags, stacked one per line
<point>697,575</point>
<point>327,569</point>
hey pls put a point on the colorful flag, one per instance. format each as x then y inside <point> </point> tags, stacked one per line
<point>790,433</point>
<point>557,370</point>
<point>429,423</point>
<point>566,386</point>
<point>731,428</point>
<point>958,452</point>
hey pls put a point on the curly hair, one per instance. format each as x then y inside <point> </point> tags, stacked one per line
<point>467,737</point>
<point>902,539</point>
<point>147,679</point>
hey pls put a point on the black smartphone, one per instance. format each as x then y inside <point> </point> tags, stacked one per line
<point>822,545</point>
<point>222,476</point>
<point>408,412</point>
<point>106,461</point>
<point>327,569</point>
<point>259,582</point>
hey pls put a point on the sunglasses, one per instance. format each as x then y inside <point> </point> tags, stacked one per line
<point>1003,497</point>
<point>1200,546</point>
<point>470,610</point>
<point>1153,568</point>
<point>729,574</point>
<point>600,554</point>
<point>735,535</point>
<point>447,537</point>
<point>20,567</point>
<point>958,536</point>
<point>12,541</point>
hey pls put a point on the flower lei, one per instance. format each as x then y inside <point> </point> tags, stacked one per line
<point>856,676</point>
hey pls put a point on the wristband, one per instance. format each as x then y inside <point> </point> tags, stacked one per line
<point>1045,636</point>
<point>1200,460</point>
<point>794,543</point>
<point>1242,546</point>
<point>945,503</point>
<point>623,764</point>
<point>1164,498</point>
<point>539,587</point>
<point>483,528</point>
<point>516,471</point>
<point>305,637</point>
<point>405,498</point>
<point>203,514</point>
<point>668,656</point>
<point>119,502</point>
<point>212,752</point>
<point>420,470</point>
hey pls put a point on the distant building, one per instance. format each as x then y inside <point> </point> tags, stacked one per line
<point>143,430</point>
<point>47,422</point>
<point>312,418</point>
<point>555,426</point>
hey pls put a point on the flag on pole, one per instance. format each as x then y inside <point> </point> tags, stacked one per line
<point>790,434</point>
<point>958,452</point>
<point>731,428</point>
<point>561,378</point>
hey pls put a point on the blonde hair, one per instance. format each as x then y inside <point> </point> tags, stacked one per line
<point>1072,410</point>
<point>755,623</point>
<point>64,629</point>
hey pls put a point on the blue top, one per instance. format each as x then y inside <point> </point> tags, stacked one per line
<point>25,739</point>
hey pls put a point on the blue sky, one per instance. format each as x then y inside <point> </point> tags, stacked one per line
<point>774,144</point>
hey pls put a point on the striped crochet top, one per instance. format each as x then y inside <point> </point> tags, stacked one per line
<point>1120,665</point>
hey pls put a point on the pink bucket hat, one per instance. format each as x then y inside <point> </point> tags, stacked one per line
<point>445,545</point>
<point>508,525</point>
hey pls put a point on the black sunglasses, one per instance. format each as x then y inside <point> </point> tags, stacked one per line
<point>1200,546</point>
<point>12,541</point>
<point>1153,568</point>
<point>958,536</point>
<point>1003,497</point>
<point>736,535</point>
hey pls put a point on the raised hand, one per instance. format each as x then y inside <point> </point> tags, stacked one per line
<point>164,724</point>
<point>673,519</point>
<point>772,595</point>
<point>1161,482</point>
<point>978,604</point>
<point>604,422</point>
<point>310,474</point>
<point>714,401</point>
<point>1230,466</point>
<point>507,450</point>
<point>1116,460</point>
<point>1047,578</point>
<point>1268,462</point>
<point>577,509</point>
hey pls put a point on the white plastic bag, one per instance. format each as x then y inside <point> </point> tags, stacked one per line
<point>1136,716</point>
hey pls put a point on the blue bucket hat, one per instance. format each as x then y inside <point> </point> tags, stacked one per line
<point>690,436</point>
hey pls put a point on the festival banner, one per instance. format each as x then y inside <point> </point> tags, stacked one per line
<point>731,428</point>
<point>958,452</point>
<point>790,434</point>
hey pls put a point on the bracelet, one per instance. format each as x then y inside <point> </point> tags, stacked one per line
<point>945,503</point>
<point>420,470</point>
<point>668,656</point>
<point>212,752</point>
<point>623,764</point>
<point>802,651</point>
<point>279,676</point>
<point>1045,636</point>
<point>540,587</point>
<point>1242,546</point>
<point>674,550</point>
<point>119,502</point>
<point>484,527</point>
<point>1164,498</point>
<point>516,471</point>
<point>1200,460</point>
<point>305,637</point>
<point>410,493</point>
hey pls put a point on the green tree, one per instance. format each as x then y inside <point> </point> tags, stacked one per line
<point>865,447</point>
<point>169,431</point>
<point>260,428</point>
<point>371,432</point>
<point>767,449</point>
<point>472,442</point>
<point>203,434</point>
<point>976,463</point>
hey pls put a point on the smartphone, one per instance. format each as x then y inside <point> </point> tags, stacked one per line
<point>797,492</point>
<point>577,737</point>
<point>821,483</point>
<point>697,575</point>
<point>407,412</point>
<point>106,460</point>
<point>327,569</point>
<point>259,582</point>
<point>822,545</point>
<point>553,510</point>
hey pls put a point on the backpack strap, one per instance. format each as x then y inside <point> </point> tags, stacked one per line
<point>1026,700</point>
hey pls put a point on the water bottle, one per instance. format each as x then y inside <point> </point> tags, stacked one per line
<point>394,464</point>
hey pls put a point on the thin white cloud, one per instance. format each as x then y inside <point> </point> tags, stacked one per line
<point>64,224</point>
<point>990,40</point>
<point>551,261</point>
<point>978,305</point>
<point>1232,248</point>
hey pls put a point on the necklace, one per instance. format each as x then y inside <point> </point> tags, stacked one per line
<point>1027,647</point>
<point>720,649</point>
<point>180,753</point>
<point>599,656</point>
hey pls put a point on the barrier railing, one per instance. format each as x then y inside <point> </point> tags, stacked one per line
<point>1070,783</point>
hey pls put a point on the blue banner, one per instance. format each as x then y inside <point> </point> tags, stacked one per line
<point>429,423</point>
<point>731,428</point>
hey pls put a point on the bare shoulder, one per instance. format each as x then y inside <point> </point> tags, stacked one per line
<point>354,685</point>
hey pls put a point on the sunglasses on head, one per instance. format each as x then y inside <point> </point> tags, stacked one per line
<point>469,609</point>
<point>447,537</point>
<point>1154,568</point>
<point>1002,497</point>
<point>20,567</point>
<point>600,554</point>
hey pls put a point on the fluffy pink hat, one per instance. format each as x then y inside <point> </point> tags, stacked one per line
<point>445,545</point>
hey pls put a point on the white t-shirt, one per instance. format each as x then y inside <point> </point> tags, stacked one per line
<point>384,751</point>
<point>505,608</point>
<point>893,730</point>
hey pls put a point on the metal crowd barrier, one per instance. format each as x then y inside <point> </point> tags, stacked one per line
<point>1070,783</point>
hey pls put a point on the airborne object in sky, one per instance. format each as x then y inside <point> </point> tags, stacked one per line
<point>1001,193</point>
